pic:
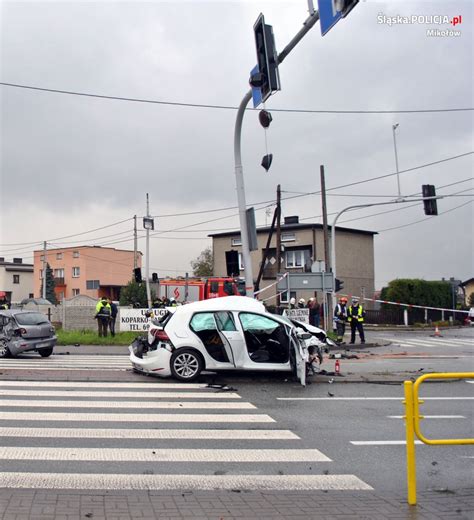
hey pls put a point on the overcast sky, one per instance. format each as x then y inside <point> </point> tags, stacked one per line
<point>70,164</point>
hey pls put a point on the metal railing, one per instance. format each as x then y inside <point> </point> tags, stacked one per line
<point>412,422</point>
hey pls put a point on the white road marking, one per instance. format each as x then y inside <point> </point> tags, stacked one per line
<point>162,455</point>
<point>94,384</point>
<point>185,405</point>
<point>370,398</point>
<point>126,417</point>
<point>430,417</point>
<point>469,381</point>
<point>113,433</point>
<point>151,394</point>
<point>182,482</point>
<point>381,443</point>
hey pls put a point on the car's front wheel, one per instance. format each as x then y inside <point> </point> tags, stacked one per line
<point>45,352</point>
<point>186,364</point>
<point>4,350</point>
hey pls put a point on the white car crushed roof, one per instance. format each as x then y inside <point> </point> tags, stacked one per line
<point>228,333</point>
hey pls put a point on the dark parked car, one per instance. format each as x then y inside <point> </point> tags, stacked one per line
<point>24,331</point>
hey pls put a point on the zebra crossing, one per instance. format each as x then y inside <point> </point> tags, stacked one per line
<point>431,342</point>
<point>149,436</point>
<point>100,362</point>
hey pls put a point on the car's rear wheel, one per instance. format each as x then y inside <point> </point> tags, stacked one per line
<point>45,352</point>
<point>4,350</point>
<point>186,364</point>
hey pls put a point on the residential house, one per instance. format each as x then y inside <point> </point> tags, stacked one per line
<point>89,270</point>
<point>303,244</point>
<point>468,288</point>
<point>16,280</point>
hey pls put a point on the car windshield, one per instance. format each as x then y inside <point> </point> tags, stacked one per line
<point>31,318</point>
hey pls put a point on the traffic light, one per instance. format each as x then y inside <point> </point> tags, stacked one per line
<point>267,79</point>
<point>232,263</point>
<point>138,274</point>
<point>267,161</point>
<point>339,285</point>
<point>154,277</point>
<point>265,118</point>
<point>431,207</point>
<point>344,6</point>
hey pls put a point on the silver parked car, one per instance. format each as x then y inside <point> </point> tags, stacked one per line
<point>24,331</point>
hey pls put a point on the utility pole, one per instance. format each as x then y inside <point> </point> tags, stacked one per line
<point>135,243</point>
<point>147,267</point>
<point>394,127</point>
<point>44,269</point>
<point>278,238</point>
<point>327,303</point>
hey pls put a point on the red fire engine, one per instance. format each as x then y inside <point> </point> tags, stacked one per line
<point>200,288</point>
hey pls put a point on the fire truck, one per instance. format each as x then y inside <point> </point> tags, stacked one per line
<point>200,288</point>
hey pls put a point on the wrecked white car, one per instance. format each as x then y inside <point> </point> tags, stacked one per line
<point>229,333</point>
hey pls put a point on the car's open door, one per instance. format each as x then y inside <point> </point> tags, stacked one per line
<point>298,356</point>
<point>231,337</point>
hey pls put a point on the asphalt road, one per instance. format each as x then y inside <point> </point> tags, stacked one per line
<point>83,428</point>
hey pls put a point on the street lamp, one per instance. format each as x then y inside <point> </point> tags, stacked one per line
<point>394,127</point>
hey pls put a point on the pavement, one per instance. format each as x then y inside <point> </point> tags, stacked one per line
<point>234,504</point>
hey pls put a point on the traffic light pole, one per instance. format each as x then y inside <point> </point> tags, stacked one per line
<point>360,206</point>
<point>239,174</point>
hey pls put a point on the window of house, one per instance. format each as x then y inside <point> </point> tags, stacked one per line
<point>76,292</point>
<point>59,273</point>
<point>297,258</point>
<point>241,262</point>
<point>237,241</point>
<point>288,237</point>
<point>31,295</point>
<point>92,284</point>
<point>284,296</point>
<point>16,278</point>
<point>61,295</point>
<point>59,256</point>
<point>42,258</point>
<point>76,272</point>
<point>75,254</point>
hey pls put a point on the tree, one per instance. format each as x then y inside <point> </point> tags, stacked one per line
<point>204,263</point>
<point>135,294</point>
<point>470,300</point>
<point>50,285</point>
<point>414,291</point>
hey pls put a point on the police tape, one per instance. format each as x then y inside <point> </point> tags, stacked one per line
<point>410,306</point>
<point>271,285</point>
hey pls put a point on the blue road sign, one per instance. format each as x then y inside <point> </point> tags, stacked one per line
<point>328,16</point>
<point>256,91</point>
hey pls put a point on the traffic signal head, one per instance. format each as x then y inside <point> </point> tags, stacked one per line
<point>267,161</point>
<point>154,277</point>
<point>339,285</point>
<point>430,205</point>
<point>267,78</point>
<point>137,272</point>
<point>265,118</point>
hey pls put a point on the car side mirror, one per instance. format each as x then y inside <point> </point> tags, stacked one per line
<point>304,335</point>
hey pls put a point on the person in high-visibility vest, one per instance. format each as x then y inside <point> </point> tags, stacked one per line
<point>340,316</point>
<point>355,316</point>
<point>102,315</point>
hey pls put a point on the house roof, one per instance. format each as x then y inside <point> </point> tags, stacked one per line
<point>297,227</point>
<point>467,282</point>
<point>76,248</point>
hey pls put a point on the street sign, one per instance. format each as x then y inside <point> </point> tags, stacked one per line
<point>256,91</point>
<point>328,15</point>
<point>310,281</point>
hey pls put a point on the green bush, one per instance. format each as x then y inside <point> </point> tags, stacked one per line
<point>418,292</point>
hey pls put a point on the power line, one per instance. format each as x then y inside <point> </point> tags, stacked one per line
<point>227,107</point>
<point>425,219</point>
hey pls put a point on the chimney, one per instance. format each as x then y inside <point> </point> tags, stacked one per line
<point>292,220</point>
<point>18,260</point>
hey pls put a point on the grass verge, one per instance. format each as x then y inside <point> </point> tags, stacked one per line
<point>87,337</point>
